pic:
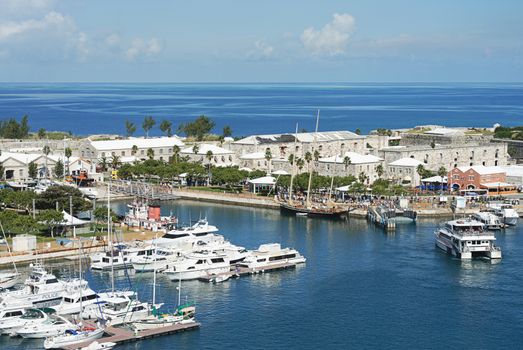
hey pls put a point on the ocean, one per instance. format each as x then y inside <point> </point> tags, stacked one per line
<point>261,108</point>
<point>359,289</point>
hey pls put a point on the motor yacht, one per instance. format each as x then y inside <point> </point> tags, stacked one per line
<point>506,213</point>
<point>119,259</point>
<point>158,261</point>
<point>9,279</point>
<point>185,237</point>
<point>117,310</point>
<point>466,239</point>
<point>271,255</point>
<point>488,219</point>
<point>53,326</point>
<point>75,298</point>
<point>33,317</point>
<point>196,265</point>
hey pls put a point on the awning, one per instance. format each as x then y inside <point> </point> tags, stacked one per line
<point>280,172</point>
<point>266,180</point>
<point>72,221</point>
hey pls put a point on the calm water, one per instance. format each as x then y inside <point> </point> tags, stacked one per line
<point>360,288</point>
<point>261,108</point>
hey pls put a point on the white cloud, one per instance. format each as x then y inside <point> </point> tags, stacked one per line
<point>112,40</point>
<point>52,20</point>
<point>141,48</point>
<point>332,39</point>
<point>261,51</point>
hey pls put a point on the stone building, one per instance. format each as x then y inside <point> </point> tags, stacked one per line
<point>359,163</point>
<point>123,148</point>
<point>404,171</point>
<point>220,156</point>
<point>281,146</point>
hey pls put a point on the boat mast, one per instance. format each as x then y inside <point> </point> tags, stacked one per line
<point>8,247</point>
<point>109,237</point>
<point>310,172</point>
<point>179,288</point>
<point>293,170</point>
<point>154,267</point>
<point>80,269</point>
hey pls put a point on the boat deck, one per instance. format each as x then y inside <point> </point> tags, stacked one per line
<point>237,271</point>
<point>121,335</point>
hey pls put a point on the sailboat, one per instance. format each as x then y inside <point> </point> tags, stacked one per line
<point>310,209</point>
<point>9,279</point>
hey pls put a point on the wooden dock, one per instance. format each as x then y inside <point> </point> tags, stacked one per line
<point>145,190</point>
<point>120,335</point>
<point>238,271</point>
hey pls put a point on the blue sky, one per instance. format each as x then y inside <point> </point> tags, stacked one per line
<point>261,41</point>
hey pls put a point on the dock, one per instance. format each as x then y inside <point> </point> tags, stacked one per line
<point>377,217</point>
<point>238,271</point>
<point>141,189</point>
<point>120,335</point>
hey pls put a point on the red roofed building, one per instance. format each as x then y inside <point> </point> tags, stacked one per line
<point>481,179</point>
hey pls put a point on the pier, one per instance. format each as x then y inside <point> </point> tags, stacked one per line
<point>120,335</point>
<point>144,190</point>
<point>238,271</point>
<point>378,217</point>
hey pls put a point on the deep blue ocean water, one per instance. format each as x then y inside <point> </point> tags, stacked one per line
<point>360,289</point>
<point>261,108</point>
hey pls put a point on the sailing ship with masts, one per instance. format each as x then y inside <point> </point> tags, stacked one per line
<point>310,208</point>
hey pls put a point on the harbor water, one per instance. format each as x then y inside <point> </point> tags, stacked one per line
<point>360,288</point>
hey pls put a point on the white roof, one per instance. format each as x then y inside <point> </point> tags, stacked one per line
<point>140,142</point>
<point>443,131</point>
<point>355,158</point>
<point>343,188</point>
<point>307,137</point>
<point>482,170</point>
<point>280,172</point>
<point>514,170</point>
<point>406,162</point>
<point>266,180</point>
<point>246,169</point>
<point>25,158</point>
<point>255,155</point>
<point>436,178</point>
<point>497,184</point>
<point>204,148</point>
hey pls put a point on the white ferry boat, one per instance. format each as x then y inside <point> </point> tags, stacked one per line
<point>467,239</point>
<point>488,219</point>
<point>196,265</point>
<point>507,214</point>
<point>270,255</point>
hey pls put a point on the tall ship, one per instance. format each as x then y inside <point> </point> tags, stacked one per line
<point>467,239</point>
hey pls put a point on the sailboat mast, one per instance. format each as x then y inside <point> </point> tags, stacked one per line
<point>154,270</point>
<point>179,288</point>
<point>310,172</point>
<point>109,237</point>
<point>8,247</point>
<point>293,171</point>
<point>80,269</point>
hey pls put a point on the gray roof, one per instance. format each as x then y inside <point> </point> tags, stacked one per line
<point>305,137</point>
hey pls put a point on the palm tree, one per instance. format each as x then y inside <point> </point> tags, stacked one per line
<point>291,159</point>
<point>134,150</point>
<point>166,127</point>
<point>268,157</point>
<point>347,162</point>
<point>308,159</point>
<point>147,125</point>
<point>316,155</point>
<point>209,155</point>
<point>380,170</point>
<point>103,163</point>
<point>362,177</point>
<point>176,152</point>
<point>421,170</point>
<point>46,150</point>
<point>115,162</point>
<point>68,153</point>
<point>150,153</point>
<point>442,172</point>
<point>195,148</point>
<point>300,163</point>
<point>130,128</point>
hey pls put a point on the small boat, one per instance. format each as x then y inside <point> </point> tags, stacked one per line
<point>488,219</point>
<point>300,214</point>
<point>219,278</point>
<point>54,326</point>
<point>117,310</point>
<point>9,279</point>
<point>507,214</point>
<point>74,336</point>
<point>98,346</point>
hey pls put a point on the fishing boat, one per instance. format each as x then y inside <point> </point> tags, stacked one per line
<point>53,326</point>
<point>74,336</point>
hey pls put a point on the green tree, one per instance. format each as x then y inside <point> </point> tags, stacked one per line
<point>68,154</point>
<point>150,153</point>
<point>379,170</point>
<point>209,155</point>
<point>300,163</point>
<point>50,218</point>
<point>32,170</point>
<point>100,215</point>
<point>421,170</point>
<point>442,171</point>
<point>59,168</point>
<point>316,155</point>
<point>103,163</point>
<point>268,157</point>
<point>358,131</point>
<point>346,162</point>
<point>362,177</point>
<point>198,128</point>
<point>227,131</point>
<point>2,171</point>
<point>291,159</point>
<point>60,194</point>
<point>12,129</point>
<point>115,162</point>
<point>41,133</point>
<point>195,148</point>
<point>166,127</point>
<point>130,128</point>
<point>147,125</point>
<point>46,150</point>
<point>176,153</point>
<point>134,150</point>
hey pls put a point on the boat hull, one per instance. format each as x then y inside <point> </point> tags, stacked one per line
<point>192,275</point>
<point>301,211</point>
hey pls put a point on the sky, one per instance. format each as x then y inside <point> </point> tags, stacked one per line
<point>261,41</point>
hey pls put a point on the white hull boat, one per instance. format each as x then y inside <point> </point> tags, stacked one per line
<point>52,327</point>
<point>271,255</point>
<point>9,280</point>
<point>72,337</point>
<point>198,265</point>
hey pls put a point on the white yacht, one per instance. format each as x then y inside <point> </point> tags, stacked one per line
<point>466,239</point>
<point>53,326</point>
<point>75,298</point>
<point>196,265</point>
<point>32,317</point>
<point>185,237</point>
<point>271,255</point>
<point>42,289</point>
<point>11,313</point>
<point>488,219</point>
<point>9,279</point>
<point>73,336</point>
<point>233,252</point>
<point>119,259</point>
<point>159,261</point>
<point>117,310</point>
<point>507,214</point>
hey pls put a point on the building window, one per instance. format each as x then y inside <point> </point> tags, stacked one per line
<point>230,158</point>
<point>495,163</point>
<point>103,154</point>
<point>471,177</point>
<point>142,152</point>
<point>483,163</point>
<point>161,150</point>
<point>123,153</point>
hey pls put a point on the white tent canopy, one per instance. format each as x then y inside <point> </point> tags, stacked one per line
<point>280,172</point>
<point>266,180</point>
<point>437,179</point>
<point>72,221</point>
